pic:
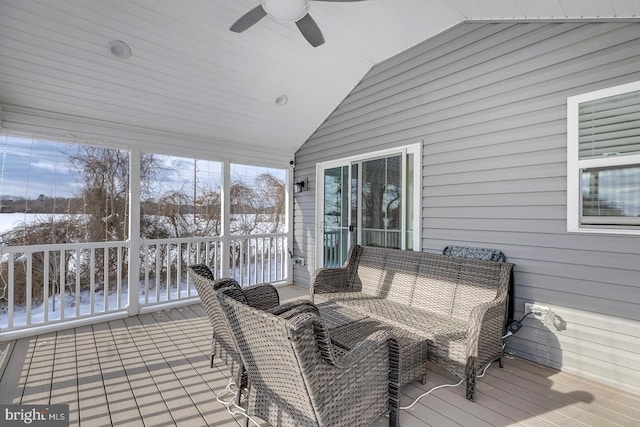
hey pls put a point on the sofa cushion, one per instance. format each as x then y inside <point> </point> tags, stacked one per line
<point>370,273</point>
<point>478,283</point>
<point>422,322</point>
<point>435,287</point>
<point>399,277</point>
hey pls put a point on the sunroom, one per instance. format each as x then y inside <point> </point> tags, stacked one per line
<point>142,137</point>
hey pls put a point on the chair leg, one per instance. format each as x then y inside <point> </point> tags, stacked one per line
<point>213,348</point>
<point>470,377</point>
<point>394,418</point>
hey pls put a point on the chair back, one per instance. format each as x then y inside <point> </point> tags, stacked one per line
<point>270,349</point>
<point>223,343</point>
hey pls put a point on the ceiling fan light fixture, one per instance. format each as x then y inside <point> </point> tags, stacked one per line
<point>286,10</point>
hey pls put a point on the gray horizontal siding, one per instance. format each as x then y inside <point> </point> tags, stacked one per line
<point>488,101</point>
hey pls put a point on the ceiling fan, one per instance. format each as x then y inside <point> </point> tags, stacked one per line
<point>286,11</point>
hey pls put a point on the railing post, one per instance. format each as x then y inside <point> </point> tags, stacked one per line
<point>226,218</point>
<point>288,246</point>
<point>134,232</point>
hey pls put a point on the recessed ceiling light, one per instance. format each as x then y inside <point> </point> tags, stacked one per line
<point>281,100</point>
<point>119,49</point>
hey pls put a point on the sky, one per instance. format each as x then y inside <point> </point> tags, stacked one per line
<point>30,167</point>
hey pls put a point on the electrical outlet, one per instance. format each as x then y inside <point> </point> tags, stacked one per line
<point>539,311</point>
<point>298,261</point>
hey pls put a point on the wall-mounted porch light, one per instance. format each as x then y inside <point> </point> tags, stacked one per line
<point>301,186</point>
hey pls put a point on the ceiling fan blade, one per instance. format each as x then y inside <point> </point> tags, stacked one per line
<point>310,30</point>
<point>248,19</point>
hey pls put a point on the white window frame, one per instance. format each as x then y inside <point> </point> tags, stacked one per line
<point>416,150</point>
<point>575,164</point>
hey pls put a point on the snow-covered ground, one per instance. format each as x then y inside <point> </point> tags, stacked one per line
<point>12,220</point>
<point>54,310</point>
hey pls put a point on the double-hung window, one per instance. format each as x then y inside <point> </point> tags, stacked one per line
<point>603,161</point>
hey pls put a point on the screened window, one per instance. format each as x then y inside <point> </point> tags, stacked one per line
<point>257,197</point>
<point>58,192</point>
<point>604,160</point>
<point>181,197</point>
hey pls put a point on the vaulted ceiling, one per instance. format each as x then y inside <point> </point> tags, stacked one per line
<point>190,75</point>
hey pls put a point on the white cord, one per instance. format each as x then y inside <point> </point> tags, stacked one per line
<point>231,406</point>
<point>443,386</point>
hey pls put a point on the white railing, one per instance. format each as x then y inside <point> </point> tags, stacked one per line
<point>43,285</point>
<point>334,248</point>
<point>258,258</point>
<point>61,282</point>
<point>164,262</point>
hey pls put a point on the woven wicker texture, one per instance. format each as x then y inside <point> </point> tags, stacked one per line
<point>336,315</point>
<point>222,344</point>
<point>457,304</point>
<point>296,378</point>
<point>412,347</point>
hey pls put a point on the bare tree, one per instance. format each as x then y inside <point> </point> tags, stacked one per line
<point>271,195</point>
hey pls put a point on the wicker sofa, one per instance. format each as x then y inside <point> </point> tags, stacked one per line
<point>457,304</point>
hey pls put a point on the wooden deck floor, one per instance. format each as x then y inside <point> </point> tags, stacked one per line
<point>153,370</point>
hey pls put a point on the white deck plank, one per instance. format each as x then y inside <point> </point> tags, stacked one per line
<point>64,379</point>
<point>116,384</point>
<point>141,375</point>
<point>91,391</point>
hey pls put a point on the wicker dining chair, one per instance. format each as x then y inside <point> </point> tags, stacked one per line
<point>262,297</point>
<point>297,380</point>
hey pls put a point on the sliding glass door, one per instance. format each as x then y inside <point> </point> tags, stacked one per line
<point>368,201</point>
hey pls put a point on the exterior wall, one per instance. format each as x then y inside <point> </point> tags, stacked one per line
<point>488,100</point>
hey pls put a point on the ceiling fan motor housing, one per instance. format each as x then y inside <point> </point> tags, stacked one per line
<point>286,10</point>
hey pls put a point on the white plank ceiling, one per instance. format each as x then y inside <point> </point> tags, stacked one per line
<point>190,75</point>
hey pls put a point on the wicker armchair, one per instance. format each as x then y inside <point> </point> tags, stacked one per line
<point>262,297</point>
<point>297,380</point>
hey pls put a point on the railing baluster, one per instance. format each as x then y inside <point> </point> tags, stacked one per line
<point>241,264</point>
<point>282,259</point>
<point>45,284</point>
<point>92,279</point>
<point>179,271</point>
<point>146,275</point>
<point>168,275</point>
<point>29,288</point>
<point>105,280</point>
<point>262,260</point>
<point>254,243</point>
<point>215,259</point>
<point>77,282</point>
<point>119,279</point>
<point>63,282</point>
<point>11,296</point>
<point>157,263</point>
